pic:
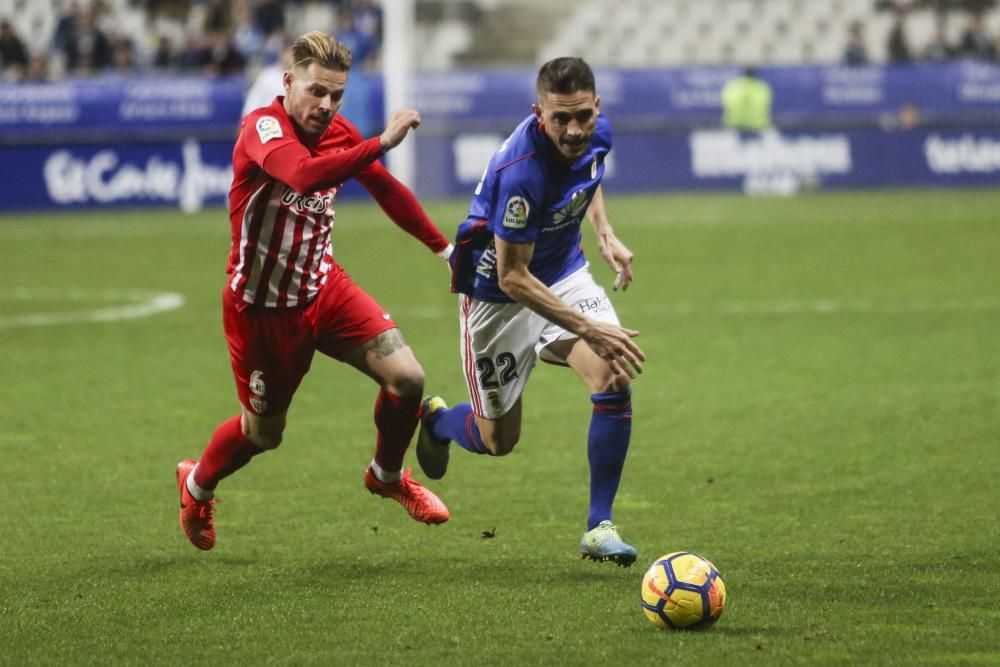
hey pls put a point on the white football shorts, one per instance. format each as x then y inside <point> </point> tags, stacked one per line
<point>500,342</point>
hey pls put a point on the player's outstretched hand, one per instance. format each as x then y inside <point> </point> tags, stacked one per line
<point>614,344</point>
<point>619,258</point>
<point>400,122</point>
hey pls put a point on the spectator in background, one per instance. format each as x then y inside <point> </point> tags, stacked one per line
<point>362,46</point>
<point>87,47</point>
<point>268,84</point>
<point>746,102</point>
<point>218,56</point>
<point>270,16</point>
<point>123,55</point>
<point>13,54</point>
<point>938,49</point>
<point>247,35</point>
<point>976,41</point>
<point>898,44</point>
<point>65,26</point>
<point>166,57</point>
<point>38,69</point>
<point>218,17</point>
<point>368,19</point>
<point>855,51</point>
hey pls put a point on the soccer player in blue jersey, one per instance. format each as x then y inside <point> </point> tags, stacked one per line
<point>526,292</point>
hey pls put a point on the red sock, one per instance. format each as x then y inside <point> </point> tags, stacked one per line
<point>227,451</point>
<point>396,420</point>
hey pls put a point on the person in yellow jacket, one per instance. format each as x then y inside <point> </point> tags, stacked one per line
<point>746,102</point>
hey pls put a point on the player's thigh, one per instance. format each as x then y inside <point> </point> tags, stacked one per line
<point>581,293</point>
<point>270,351</point>
<point>350,326</point>
<point>498,353</point>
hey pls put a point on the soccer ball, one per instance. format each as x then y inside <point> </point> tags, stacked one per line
<point>682,590</point>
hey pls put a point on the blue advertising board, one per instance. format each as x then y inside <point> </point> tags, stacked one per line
<point>79,110</point>
<point>168,141</point>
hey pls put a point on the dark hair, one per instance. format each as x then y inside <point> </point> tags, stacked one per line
<point>564,76</point>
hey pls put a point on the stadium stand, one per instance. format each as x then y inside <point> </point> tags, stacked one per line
<point>477,33</point>
<point>659,33</point>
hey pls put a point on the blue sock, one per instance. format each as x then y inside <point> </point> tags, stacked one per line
<point>607,445</point>
<point>459,425</point>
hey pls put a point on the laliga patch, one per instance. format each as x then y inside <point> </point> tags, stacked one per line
<point>268,128</point>
<point>593,168</point>
<point>515,214</point>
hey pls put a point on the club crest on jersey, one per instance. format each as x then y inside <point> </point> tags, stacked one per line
<point>268,128</point>
<point>515,213</point>
<point>314,203</point>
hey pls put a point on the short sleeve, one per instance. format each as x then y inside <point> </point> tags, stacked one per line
<point>518,203</point>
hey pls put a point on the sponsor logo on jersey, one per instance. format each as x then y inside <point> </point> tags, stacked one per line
<point>488,261</point>
<point>314,203</point>
<point>268,128</point>
<point>515,213</point>
<point>572,212</point>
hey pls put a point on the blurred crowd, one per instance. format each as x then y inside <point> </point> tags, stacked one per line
<point>208,37</point>
<point>222,37</point>
<point>975,40</point>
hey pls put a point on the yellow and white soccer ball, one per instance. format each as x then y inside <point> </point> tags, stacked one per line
<point>682,590</point>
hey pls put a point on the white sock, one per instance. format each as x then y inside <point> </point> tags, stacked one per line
<point>384,475</point>
<point>196,491</point>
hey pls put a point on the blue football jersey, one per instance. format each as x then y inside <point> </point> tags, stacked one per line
<point>528,196</point>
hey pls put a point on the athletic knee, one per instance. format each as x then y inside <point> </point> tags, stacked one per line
<point>265,440</point>
<point>264,436</point>
<point>407,383</point>
<point>614,383</point>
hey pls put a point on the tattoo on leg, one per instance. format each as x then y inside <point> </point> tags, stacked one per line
<point>385,343</point>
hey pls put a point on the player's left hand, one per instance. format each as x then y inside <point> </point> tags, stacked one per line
<point>619,258</point>
<point>446,253</point>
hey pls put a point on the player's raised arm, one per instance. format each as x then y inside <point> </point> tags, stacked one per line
<point>614,252</point>
<point>400,122</point>
<point>290,162</point>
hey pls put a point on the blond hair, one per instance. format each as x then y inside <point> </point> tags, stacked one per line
<point>318,47</point>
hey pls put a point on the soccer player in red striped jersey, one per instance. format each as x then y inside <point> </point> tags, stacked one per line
<point>286,297</point>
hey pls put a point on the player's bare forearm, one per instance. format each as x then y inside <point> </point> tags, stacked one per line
<point>517,281</point>
<point>612,343</point>
<point>597,214</point>
<point>529,291</point>
<point>613,251</point>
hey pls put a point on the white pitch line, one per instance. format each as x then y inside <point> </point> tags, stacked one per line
<point>141,304</point>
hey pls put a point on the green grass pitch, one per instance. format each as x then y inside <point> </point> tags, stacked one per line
<point>819,416</point>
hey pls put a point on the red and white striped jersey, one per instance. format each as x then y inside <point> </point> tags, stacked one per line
<point>281,204</point>
<point>281,226</point>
